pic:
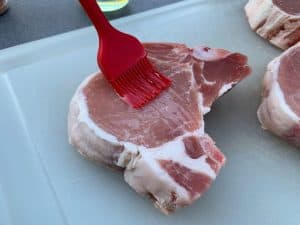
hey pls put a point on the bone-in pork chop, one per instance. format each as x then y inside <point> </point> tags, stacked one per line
<point>162,148</point>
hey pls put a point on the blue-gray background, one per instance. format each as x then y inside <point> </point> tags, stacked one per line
<point>29,20</point>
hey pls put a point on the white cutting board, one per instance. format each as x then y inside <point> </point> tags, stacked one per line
<point>44,181</point>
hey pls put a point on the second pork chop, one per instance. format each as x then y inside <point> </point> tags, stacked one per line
<point>279,111</point>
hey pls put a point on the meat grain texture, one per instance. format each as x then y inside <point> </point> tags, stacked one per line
<point>163,149</point>
<point>275,20</point>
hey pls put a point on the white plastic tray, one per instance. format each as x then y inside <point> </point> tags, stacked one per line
<point>43,181</point>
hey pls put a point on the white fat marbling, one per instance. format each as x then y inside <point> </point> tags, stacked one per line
<point>175,151</point>
<point>277,90</point>
<point>265,18</point>
<point>209,54</point>
<point>202,108</point>
<point>274,113</point>
<point>164,150</point>
<point>225,88</point>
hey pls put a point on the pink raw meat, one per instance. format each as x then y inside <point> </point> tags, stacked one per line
<point>279,111</point>
<point>162,148</point>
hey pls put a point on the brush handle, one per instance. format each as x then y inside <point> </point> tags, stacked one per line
<point>96,16</point>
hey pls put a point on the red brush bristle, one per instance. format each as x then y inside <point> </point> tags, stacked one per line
<point>140,84</point>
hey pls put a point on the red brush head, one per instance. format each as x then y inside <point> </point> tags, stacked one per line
<point>140,84</point>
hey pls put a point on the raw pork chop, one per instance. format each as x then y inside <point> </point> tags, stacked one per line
<point>275,20</point>
<point>162,148</point>
<point>280,108</point>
